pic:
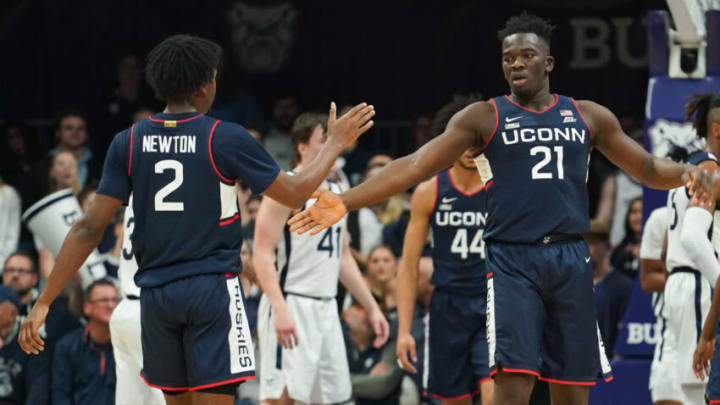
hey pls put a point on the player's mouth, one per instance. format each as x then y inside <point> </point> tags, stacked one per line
<point>518,80</point>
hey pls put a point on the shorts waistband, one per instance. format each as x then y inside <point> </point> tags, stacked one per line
<point>548,239</point>
<point>310,296</point>
<point>683,269</point>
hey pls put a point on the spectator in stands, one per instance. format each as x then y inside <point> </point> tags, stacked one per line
<point>71,133</point>
<point>372,219</point>
<point>20,274</point>
<point>612,288</point>
<point>17,153</point>
<point>625,257</point>
<point>251,209</point>
<point>9,220</point>
<point>116,111</point>
<point>277,141</point>
<point>382,271</point>
<point>374,372</point>
<point>83,370</point>
<point>23,379</point>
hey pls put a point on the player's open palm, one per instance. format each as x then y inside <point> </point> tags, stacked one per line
<point>327,210</point>
<point>701,358</point>
<point>29,337</point>
<point>406,352</point>
<point>350,125</point>
<point>285,329</point>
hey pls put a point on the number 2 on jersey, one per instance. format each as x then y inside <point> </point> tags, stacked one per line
<point>460,243</point>
<point>177,168</point>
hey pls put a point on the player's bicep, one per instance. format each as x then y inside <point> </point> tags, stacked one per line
<point>282,188</point>
<point>115,180</point>
<point>421,206</point>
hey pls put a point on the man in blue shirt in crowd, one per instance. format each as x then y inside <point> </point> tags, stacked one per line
<point>181,166</point>
<point>83,369</point>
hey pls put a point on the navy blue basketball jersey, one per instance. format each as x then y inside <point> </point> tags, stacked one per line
<point>538,168</point>
<point>457,222</point>
<point>182,169</point>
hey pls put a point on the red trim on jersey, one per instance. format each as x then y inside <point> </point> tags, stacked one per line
<point>482,380</point>
<point>212,161</point>
<point>489,183</point>
<point>609,379</point>
<point>489,275</point>
<point>452,182</point>
<point>470,395</point>
<point>531,110</point>
<point>131,144</point>
<point>230,220</point>
<point>516,370</point>
<point>197,387</point>
<point>715,401</point>
<point>582,116</point>
<point>437,191</point>
<point>479,150</point>
<point>178,121</point>
<point>552,380</point>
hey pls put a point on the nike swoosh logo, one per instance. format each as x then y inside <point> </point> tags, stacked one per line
<point>587,260</point>
<point>448,200</point>
<point>508,119</point>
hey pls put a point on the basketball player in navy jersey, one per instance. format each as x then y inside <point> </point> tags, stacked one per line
<point>452,204</point>
<point>537,144</point>
<point>181,166</point>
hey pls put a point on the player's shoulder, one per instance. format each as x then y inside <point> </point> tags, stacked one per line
<point>424,196</point>
<point>659,214</point>
<point>427,187</point>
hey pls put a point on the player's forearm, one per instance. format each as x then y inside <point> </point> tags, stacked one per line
<point>80,241</point>
<point>309,179</point>
<point>406,293</point>
<point>694,239</point>
<point>397,176</point>
<point>266,274</point>
<point>352,279</point>
<point>662,174</point>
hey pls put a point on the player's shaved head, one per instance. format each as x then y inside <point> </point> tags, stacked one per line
<point>180,65</point>
<point>527,24</point>
<point>704,110</point>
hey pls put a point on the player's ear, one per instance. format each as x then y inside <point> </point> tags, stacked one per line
<point>549,63</point>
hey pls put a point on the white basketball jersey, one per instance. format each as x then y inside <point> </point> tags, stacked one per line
<point>128,265</point>
<point>677,204</point>
<point>310,264</point>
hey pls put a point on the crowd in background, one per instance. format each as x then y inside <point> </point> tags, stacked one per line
<point>77,366</point>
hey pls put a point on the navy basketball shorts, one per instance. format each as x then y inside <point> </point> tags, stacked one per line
<point>195,333</point>
<point>541,314</point>
<point>712,392</point>
<point>458,344</point>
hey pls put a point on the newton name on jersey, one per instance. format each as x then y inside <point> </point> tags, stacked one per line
<point>169,143</point>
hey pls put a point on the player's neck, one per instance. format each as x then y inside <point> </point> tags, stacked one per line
<point>538,101</point>
<point>179,108</point>
<point>465,180</point>
<point>99,332</point>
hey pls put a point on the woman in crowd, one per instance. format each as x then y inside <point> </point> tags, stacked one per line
<point>625,256</point>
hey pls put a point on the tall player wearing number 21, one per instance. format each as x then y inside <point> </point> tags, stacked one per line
<point>181,166</point>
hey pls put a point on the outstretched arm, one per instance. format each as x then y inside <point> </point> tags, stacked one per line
<point>468,128</point>
<point>609,138</point>
<point>421,206</point>
<point>83,237</point>
<point>471,127</point>
<point>293,191</point>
